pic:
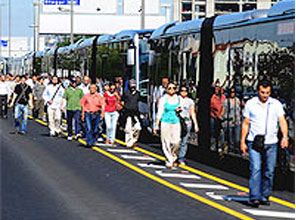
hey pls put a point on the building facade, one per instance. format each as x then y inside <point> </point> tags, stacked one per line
<point>195,9</point>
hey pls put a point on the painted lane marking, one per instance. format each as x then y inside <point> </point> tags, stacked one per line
<point>216,197</point>
<point>204,186</point>
<point>175,187</point>
<point>122,151</point>
<point>172,186</point>
<point>153,166</point>
<point>177,175</point>
<point>193,170</point>
<point>269,213</point>
<point>129,157</point>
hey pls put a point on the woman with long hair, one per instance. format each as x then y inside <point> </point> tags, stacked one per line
<point>170,131</point>
<point>112,99</point>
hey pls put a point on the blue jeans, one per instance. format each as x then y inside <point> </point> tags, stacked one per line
<point>260,188</point>
<point>21,117</point>
<point>111,119</point>
<point>76,114</point>
<point>92,121</point>
<point>233,136</point>
<point>183,145</point>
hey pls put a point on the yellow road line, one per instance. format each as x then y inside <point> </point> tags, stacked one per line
<point>193,170</point>
<point>174,187</point>
<point>211,177</point>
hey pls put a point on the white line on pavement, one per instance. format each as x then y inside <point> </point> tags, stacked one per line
<point>213,196</point>
<point>177,175</point>
<point>152,166</point>
<point>129,151</point>
<point>204,186</point>
<point>269,213</point>
<point>137,157</point>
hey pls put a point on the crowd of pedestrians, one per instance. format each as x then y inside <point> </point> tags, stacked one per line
<point>88,104</point>
<point>84,104</point>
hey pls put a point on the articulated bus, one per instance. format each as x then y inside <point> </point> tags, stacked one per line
<point>229,51</point>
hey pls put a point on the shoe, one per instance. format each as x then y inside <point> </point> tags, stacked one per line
<point>22,133</point>
<point>175,164</point>
<point>112,143</point>
<point>52,134</point>
<point>5,116</point>
<point>100,139</point>
<point>69,138</point>
<point>182,163</point>
<point>254,203</point>
<point>107,141</point>
<point>78,136</point>
<point>169,167</point>
<point>267,203</point>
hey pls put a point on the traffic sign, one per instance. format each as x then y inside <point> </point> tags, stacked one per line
<point>4,43</point>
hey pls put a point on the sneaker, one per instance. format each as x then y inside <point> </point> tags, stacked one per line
<point>100,139</point>
<point>78,136</point>
<point>254,203</point>
<point>182,163</point>
<point>107,141</point>
<point>52,134</point>
<point>112,143</point>
<point>265,202</point>
<point>69,138</point>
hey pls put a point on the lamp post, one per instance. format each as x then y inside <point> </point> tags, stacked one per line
<point>9,28</point>
<point>143,15</point>
<point>71,20</point>
<point>36,5</point>
<point>1,5</point>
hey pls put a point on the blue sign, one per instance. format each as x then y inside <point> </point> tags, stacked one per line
<point>61,2</point>
<point>4,43</point>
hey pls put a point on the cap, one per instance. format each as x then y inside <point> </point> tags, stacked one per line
<point>132,82</point>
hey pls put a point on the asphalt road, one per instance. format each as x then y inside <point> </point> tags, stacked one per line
<point>52,178</point>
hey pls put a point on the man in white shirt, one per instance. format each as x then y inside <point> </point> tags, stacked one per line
<point>52,96</point>
<point>85,85</point>
<point>261,116</point>
<point>4,92</point>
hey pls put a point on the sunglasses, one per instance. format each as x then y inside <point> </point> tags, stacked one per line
<point>170,88</point>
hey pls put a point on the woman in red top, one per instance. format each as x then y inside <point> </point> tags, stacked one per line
<point>112,99</point>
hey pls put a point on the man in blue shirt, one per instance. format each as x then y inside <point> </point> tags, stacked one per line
<point>261,116</point>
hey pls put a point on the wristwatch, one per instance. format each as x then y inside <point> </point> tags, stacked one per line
<point>285,137</point>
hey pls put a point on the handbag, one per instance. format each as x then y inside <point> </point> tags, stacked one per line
<point>258,143</point>
<point>184,128</point>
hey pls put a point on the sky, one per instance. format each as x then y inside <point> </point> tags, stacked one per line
<point>21,18</point>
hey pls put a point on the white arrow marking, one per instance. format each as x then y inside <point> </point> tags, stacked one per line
<point>213,196</point>
<point>128,151</point>
<point>204,186</point>
<point>269,213</point>
<point>137,157</point>
<point>177,175</point>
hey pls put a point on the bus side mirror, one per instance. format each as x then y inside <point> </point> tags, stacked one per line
<point>131,56</point>
<point>152,58</point>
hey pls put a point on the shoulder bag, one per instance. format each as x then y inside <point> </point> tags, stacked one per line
<point>258,144</point>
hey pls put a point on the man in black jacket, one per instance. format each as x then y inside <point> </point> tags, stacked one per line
<point>131,100</point>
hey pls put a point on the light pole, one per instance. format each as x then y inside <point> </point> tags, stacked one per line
<point>1,5</point>
<point>143,15</point>
<point>9,28</point>
<point>36,5</point>
<point>71,20</point>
